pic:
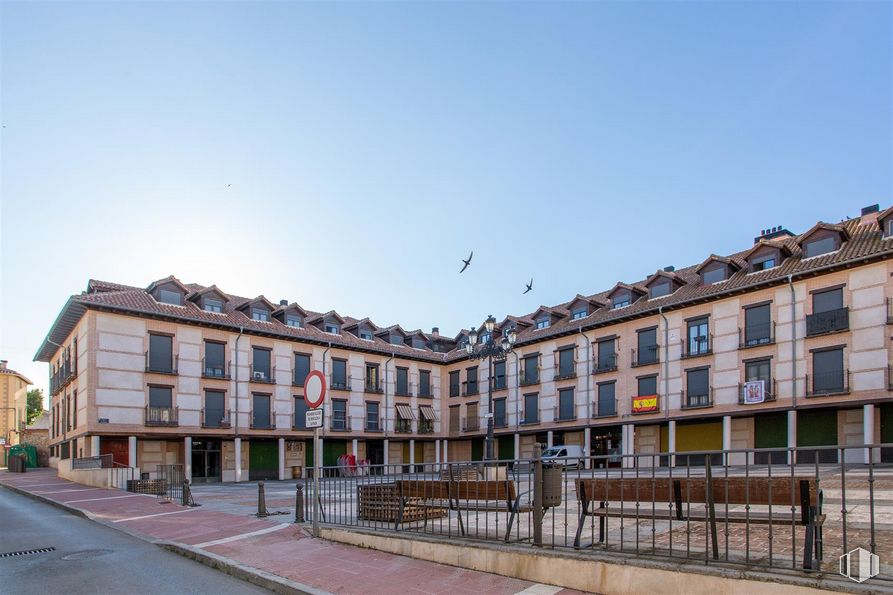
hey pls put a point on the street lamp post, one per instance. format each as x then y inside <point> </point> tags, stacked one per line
<point>489,349</point>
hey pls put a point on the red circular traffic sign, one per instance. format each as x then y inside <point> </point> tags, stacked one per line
<point>314,389</point>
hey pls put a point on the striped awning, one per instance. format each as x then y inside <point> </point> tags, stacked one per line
<point>427,412</point>
<point>404,412</point>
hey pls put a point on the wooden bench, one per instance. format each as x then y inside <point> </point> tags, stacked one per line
<point>474,494</point>
<point>701,499</point>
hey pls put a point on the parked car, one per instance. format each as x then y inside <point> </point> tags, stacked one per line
<point>569,456</point>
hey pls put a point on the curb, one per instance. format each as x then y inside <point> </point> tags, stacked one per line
<point>69,509</point>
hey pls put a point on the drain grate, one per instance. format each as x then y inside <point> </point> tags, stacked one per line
<point>42,550</point>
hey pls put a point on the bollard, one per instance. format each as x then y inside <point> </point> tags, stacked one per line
<point>261,500</point>
<point>299,503</point>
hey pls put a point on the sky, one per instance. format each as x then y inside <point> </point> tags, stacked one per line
<point>348,155</point>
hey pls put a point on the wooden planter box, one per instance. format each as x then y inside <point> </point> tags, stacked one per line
<point>379,502</point>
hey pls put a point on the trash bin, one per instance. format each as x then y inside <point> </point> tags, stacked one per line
<point>16,464</point>
<point>552,476</point>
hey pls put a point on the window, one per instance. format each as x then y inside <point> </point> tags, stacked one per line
<point>332,329</point>
<point>697,389</point>
<point>260,411</point>
<point>424,383</point>
<point>454,383</point>
<point>372,383</point>
<point>499,419</point>
<point>215,411</point>
<point>531,370</point>
<point>160,397</point>
<point>499,381</point>
<point>698,337</point>
<point>828,313</point>
<point>819,247</point>
<point>607,399</point>
<point>646,347</point>
<point>566,364</point>
<point>659,289</point>
<point>543,323</point>
<point>620,300</point>
<point>366,335</point>
<point>260,314</point>
<point>762,263</point>
<point>579,313</point>
<point>711,276</point>
<point>888,228</point>
<point>74,409</point>
<point>166,296</point>
<point>339,373</point>
<point>300,421</point>
<point>260,364</point>
<point>302,368</point>
<point>531,409</point>
<point>161,354</point>
<point>396,339</point>
<point>828,375</point>
<point>215,360</point>
<point>827,301</point>
<point>293,320</point>
<point>484,338</point>
<point>647,386</point>
<point>372,417</point>
<point>607,356</point>
<point>339,415</point>
<point>566,404</point>
<point>471,381</point>
<point>402,381</point>
<point>757,325</point>
<point>454,418</point>
<point>212,305</point>
<point>758,370</point>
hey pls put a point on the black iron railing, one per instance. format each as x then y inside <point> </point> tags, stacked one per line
<point>216,418</point>
<point>161,416</point>
<point>340,383</point>
<point>559,415</point>
<point>470,388</point>
<point>403,426</point>
<point>62,376</point>
<point>372,387</point>
<point>499,382</point>
<point>823,384</point>
<point>340,423</point>
<point>262,374</point>
<point>750,394</point>
<point>697,399</point>
<point>158,365</point>
<point>604,364</point>
<point>831,321</point>
<point>215,370</point>
<point>604,408</point>
<point>530,379</point>
<point>755,335</point>
<point>697,346</point>
<point>471,424</point>
<point>95,462</point>
<point>426,426</point>
<point>645,357</point>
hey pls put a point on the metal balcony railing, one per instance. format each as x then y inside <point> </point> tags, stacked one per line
<point>403,426</point>
<point>532,418</point>
<point>698,400</point>
<point>426,426</point>
<point>262,375</point>
<point>215,370</point>
<point>566,374</point>
<point>340,383</point>
<point>470,388</point>
<point>530,379</point>
<point>645,357</point>
<point>697,346</point>
<point>216,418</point>
<point>298,421</point>
<point>605,364</point>
<point>889,310</point>
<point>823,384</point>
<point>372,425</point>
<point>831,321</point>
<point>62,376</point>
<point>161,367</point>
<point>403,391</point>
<point>372,387</point>
<point>604,408</point>
<point>756,334</point>
<point>471,424</point>
<point>500,421</point>
<point>499,382</point>
<point>161,416</point>
<point>569,416</point>
<point>340,422</point>
<point>769,392</point>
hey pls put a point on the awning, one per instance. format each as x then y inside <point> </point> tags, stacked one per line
<point>404,412</point>
<point>427,412</point>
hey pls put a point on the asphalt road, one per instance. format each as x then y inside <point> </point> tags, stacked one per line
<point>92,558</point>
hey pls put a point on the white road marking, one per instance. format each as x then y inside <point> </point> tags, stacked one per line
<point>106,498</point>
<point>539,589</point>
<point>148,516</point>
<point>242,536</point>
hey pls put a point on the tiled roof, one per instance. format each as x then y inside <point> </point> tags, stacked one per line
<point>14,373</point>
<point>865,243</point>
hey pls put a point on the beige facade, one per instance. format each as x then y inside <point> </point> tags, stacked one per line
<point>13,405</point>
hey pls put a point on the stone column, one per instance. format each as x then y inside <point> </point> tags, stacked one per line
<point>549,439</point>
<point>446,454</point>
<point>131,451</point>
<point>437,455</point>
<point>727,438</point>
<point>387,447</point>
<point>868,432</point>
<point>628,444</point>
<point>411,455</point>
<point>94,446</point>
<point>671,442</point>
<point>187,458</point>
<point>355,449</point>
<point>517,446</point>
<point>282,459</point>
<point>237,447</point>
<point>587,440</point>
<point>792,435</point>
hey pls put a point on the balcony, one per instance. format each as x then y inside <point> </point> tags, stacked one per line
<point>499,382</point>
<point>471,424</point>
<point>62,377</point>
<point>217,370</point>
<point>826,384</point>
<point>339,383</point>
<point>372,425</point>
<point>403,426</point>
<point>769,393</point>
<point>645,357</point>
<point>530,380</point>
<point>565,374</point>
<point>216,418</point>
<point>756,335</point>
<point>605,364</point>
<point>262,375</point>
<point>698,400</point>
<point>823,323</point>
<point>470,388</point>
<point>556,414</point>
<point>403,391</point>
<point>426,426</point>
<point>531,420</point>
<point>340,422</point>
<point>161,416</point>
<point>425,392</point>
<point>372,387</point>
<point>604,408</point>
<point>697,346</point>
<point>500,421</point>
<point>262,424</point>
<point>155,364</point>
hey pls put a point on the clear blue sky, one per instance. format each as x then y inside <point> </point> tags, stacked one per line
<point>370,146</point>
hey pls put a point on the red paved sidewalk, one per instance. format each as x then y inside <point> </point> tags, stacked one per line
<point>279,548</point>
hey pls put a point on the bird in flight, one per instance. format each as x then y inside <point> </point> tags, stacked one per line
<point>228,185</point>
<point>529,287</point>
<point>467,262</point>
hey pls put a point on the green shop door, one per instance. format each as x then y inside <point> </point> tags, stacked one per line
<point>263,460</point>
<point>331,450</point>
<point>770,430</point>
<point>477,449</point>
<point>505,447</point>
<point>887,432</point>
<point>817,428</point>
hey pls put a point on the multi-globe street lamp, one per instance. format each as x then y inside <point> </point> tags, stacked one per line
<point>491,350</point>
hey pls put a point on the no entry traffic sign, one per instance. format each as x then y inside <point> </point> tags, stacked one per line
<point>314,389</point>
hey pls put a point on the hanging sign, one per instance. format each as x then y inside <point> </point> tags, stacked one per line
<point>754,392</point>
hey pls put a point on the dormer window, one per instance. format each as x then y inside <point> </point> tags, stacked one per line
<point>579,313</point>
<point>711,276</point>
<point>619,301</point>
<point>212,305</point>
<point>396,339</point>
<point>820,246</point>
<point>659,290</point>
<point>484,338</point>
<point>260,314</point>
<point>166,296</point>
<point>332,329</point>
<point>293,320</point>
<point>366,335</point>
<point>762,263</point>
<point>543,323</point>
<point>888,228</point>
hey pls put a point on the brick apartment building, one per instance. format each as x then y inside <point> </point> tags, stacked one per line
<point>782,344</point>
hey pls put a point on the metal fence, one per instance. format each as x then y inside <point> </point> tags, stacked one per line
<point>97,462</point>
<point>171,479</point>
<point>797,508</point>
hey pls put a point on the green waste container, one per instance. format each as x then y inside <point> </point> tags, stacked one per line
<point>28,452</point>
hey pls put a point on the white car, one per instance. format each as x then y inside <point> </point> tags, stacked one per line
<point>568,456</point>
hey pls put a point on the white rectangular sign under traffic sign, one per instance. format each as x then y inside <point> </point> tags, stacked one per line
<point>313,418</point>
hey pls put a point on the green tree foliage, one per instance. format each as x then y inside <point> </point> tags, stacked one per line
<point>35,404</point>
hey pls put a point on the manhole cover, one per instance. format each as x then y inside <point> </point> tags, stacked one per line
<point>87,554</point>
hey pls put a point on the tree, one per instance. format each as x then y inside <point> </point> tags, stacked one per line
<point>35,404</point>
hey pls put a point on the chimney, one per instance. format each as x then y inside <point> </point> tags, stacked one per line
<point>669,269</point>
<point>283,302</point>
<point>870,209</point>
<point>435,331</point>
<point>2,364</point>
<point>773,232</point>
